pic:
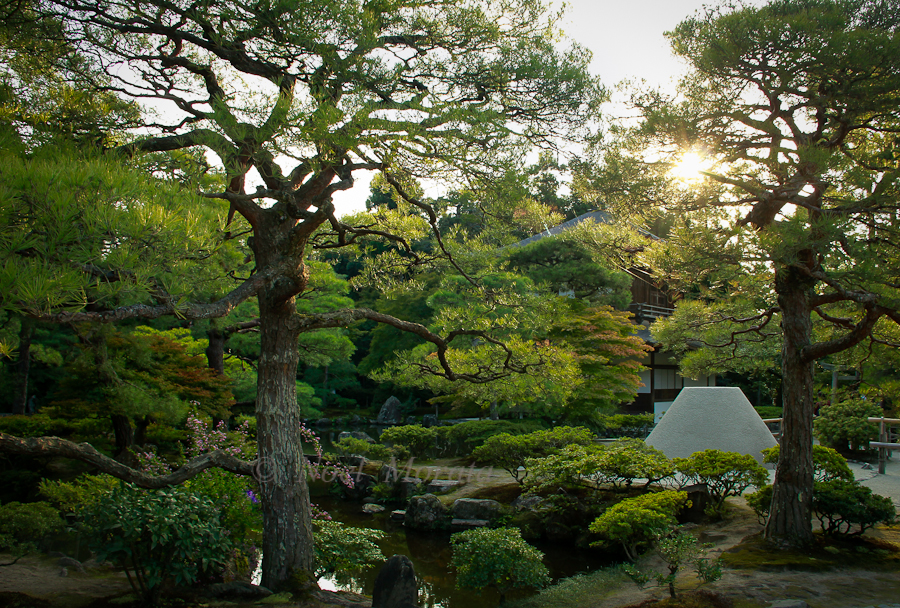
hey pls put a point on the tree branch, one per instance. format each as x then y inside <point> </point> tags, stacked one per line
<point>54,446</point>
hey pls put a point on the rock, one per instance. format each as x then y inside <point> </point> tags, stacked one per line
<point>68,562</point>
<point>440,486</point>
<point>411,420</point>
<point>467,524</point>
<point>698,494</point>
<point>396,585</point>
<point>409,487</point>
<point>372,508</point>
<point>390,412</point>
<point>355,420</point>
<point>526,503</point>
<point>323,422</point>
<point>237,590</point>
<point>474,508</point>
<point>398,515</point>
<point>388,474</point>
<point>63,572</point>
<point>362,486</point>
<point>789,604</point>
<point>429,420</point>
<point>425,512</point>
<point>356,435</point>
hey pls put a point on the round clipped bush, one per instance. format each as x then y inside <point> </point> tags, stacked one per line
<point>23,527</point>
<point>340,548</point>
<point>511,452</point>
<point>417,438</point>
<point>840,505</point>
<point>828,463</point>
<point>724,473</point>
<point>637,522</point>
<point>845,424</point>
<point>498,558</point>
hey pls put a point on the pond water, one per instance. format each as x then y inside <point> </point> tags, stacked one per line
<point>430,555</point>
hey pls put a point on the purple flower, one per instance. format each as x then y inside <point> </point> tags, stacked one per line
<point>252,496</point>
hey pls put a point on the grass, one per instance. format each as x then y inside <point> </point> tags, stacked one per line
<point>577,591</point>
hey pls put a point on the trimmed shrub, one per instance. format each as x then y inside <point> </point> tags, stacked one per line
<point>618,464</point>
<point>461,439</point>
<point>340,548</point>
<point>724,473</point>
<point>828,464</point>
<point>845,424</point>
<point>417,438</point>
<point>678,550</point>
<point>23,526</point>
<point>637,522</point>
<point>840,505</point>
<point>511,452</point>
<point>498,558</point>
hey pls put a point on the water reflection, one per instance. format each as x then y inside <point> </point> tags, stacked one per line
<point>430,555</point>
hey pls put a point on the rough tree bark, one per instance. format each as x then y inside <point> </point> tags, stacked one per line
<point>790,518</point>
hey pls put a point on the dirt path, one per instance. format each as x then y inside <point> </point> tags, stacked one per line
<point>42,578</point>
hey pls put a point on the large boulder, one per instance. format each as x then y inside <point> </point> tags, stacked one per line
<point>356,435</point>
<point>395,586</point>
<point>425,512</point>
<point>390,412</point>
<point>429,420</point>
<point>475,508</point>
<point>363,484</point>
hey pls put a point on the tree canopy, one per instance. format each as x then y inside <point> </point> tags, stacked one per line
<point>789,239</point>
<point>288,100</point>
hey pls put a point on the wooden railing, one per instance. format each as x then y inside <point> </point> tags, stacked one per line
<point>883,444</point>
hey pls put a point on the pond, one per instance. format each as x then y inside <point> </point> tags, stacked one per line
<point>430,555</point>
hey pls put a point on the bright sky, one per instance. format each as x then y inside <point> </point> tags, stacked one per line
<point>626,38</point>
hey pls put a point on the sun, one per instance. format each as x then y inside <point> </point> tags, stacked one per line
<point>689,167</point>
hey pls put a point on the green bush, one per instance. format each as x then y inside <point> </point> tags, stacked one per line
<point>724,473</point>
<point>461,439</point>
<point>23,526</point>
<point>761,501</point>
<point>340,548</point>
<point>498,558</point>
<point>80,495</point>
<point>840,505</point>
<point>351,446</point>
<point>628,459</point>
<point>636,522</point>
<point>511,452</point>
<point>844,425</point>
<point>592,466</point>
<point>769,411</point>
<point>828,463</point>
<point>159,535</point>
<point>418,439</point>
<point>618,425</point>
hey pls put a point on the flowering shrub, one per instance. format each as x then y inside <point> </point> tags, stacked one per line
<point>159,535</point>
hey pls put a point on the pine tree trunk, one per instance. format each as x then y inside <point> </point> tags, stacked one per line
<point>215,350</point>
<point>790,517</point>
<point>23,367</point>
<point>287,525</point>
<point>124,433</point>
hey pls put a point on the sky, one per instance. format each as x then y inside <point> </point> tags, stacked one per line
<point>627,42</point>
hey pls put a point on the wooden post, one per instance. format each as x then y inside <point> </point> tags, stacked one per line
<point>882,451</point>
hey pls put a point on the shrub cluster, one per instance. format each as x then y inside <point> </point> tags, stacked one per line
<point>512,452</point>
